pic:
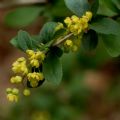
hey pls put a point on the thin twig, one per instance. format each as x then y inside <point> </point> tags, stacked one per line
<point>62,40</point>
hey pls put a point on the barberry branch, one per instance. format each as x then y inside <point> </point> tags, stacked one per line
<point>62,40</point>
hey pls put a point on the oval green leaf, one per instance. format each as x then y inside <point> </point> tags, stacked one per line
<point>52,69</point>
<point>90,40</point>
<point>78,7</point>
<point>106,26</point>
<point>23,16</point>
<point>47,32</point>
<point>112,44</point>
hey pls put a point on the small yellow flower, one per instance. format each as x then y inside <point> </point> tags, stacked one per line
<point>76,29</point>
<point>40,56</point>
<point>20,66</point>
<point>89,15</point>
<point>16,79</point>
<point>35,55</point>
<point>84,23</point>
<point>33,83</point>
<point>30,53</point>
<point>22,59</point>
<point>8,90</point>
<point>68,43</point>
<point>35,63</point>
<point>59,26</point>
<point>26,92</point>
<point>19,62</point>
<point>12,94</point>
<point>68,21</point>
<point>85,18</point>
<point>74,48</point>
<point>35,76</point>
<point>15,91</point>
<point>75,19</point>
<point>24,69</point>
<point>12,98</point>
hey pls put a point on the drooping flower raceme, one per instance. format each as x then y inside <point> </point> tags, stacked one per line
<point>19,66</point>
<point>28,71</point>
<point>77,26</point>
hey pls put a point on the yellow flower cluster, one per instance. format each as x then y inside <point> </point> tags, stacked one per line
<point>12,94</point>
<point>35,58</point>
<point>76,25</point>
<point>19,66</point>
<point>25,69</point>
<point>34,78</point>
<point>16,79</point>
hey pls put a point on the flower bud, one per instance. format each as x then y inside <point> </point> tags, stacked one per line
<point>35,63</point>
<point>68,43</point>
<point>15,91</point>
<point>8,90</point>
<point>89,15</point>
<point>26,92</point>
<point>74,48</point>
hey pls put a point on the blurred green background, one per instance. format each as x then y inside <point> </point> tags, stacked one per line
<point>90,89</point>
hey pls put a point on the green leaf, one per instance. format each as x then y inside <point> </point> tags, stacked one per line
<point>57,51</point>
<point>104,9</point>
<point>55,9</point>
<point>94,7</point>
<point>90,40</point>
<point>109,4</point>
<point>23,16</point>
<point>106,26</point>
<point>14,42</point>
<point>60,33</point>
<point>52,69</point>
<point>112,44</point>
<point>47,32</point>
<point>24,41</point>
<point>78,7</point>
<point>118,20</point>
<point>116,3</point>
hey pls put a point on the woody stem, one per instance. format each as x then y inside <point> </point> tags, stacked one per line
<point>62,40</point>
